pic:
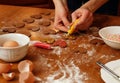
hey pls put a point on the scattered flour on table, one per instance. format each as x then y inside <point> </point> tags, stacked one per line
<point>70,74</point>
<point>55,36</point>
<point>91,51</point>
<point>107,57</point>
<point>66,74</point>
<point>84,45</point>
<point>57,51</point>
<point>91,37</point>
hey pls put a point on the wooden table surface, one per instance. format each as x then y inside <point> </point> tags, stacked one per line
<point>62,65</point>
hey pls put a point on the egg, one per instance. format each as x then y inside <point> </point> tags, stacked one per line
<point>10,43</point>
<point>8,76</point>
<point>5,67</point>
<point>26,77</point>
<point>25,66</point>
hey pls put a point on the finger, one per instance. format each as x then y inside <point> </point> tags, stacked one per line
<point>65,21</point>
<point>88,18</point>
<point>84,16</point>
<point>56,22</point>
<point>62,28</point>
<point>86,25</point>
<point>74,17</point>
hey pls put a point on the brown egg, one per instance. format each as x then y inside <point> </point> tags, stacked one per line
<point>25,66</point>
<point>4,67</point>
<point>8,76</point>
<point>26,77</point>
<point>10,43</point>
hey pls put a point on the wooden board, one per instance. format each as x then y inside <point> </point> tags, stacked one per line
<point>75,63</point>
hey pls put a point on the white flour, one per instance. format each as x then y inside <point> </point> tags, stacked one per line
<point>91,52</point>
<point>57,51</point>
<point>107,57</point>
<point>84,45</point>
<point>70,74</point>
<point>55,36</point>
<point>91,37</point>
<point>66,74</point>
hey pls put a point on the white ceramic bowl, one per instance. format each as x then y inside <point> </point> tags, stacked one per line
<point>12,54</point>
<point>110,30</point>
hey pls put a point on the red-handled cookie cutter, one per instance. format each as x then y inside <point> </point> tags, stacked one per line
<point>41,45</point>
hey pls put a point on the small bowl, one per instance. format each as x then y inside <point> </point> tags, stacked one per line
<point>104,32</point>
<point>12,54</point>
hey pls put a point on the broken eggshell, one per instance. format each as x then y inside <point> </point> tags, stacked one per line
<point>26,77</point>
<point>25,66</point>
<point>8,76</point>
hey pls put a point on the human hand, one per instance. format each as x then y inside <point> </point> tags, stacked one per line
<point>61,21</point>
<point>85,18</point>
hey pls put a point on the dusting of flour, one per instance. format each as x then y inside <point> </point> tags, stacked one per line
<point>91,37</point>
<point>70,74</point>
<point>57,51</point>
<point>65,74</point>
<point>91,51</point>
<point>84,45</point>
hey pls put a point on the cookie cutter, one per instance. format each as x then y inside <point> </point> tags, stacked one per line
<point>40,45</point>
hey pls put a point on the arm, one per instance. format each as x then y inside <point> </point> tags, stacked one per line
<point>61,13</point>
<point>58,3</point>
<point>85,13</point>
<point>93,5</point>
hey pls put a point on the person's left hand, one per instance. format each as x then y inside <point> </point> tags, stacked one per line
<point>61,20</point>
<point>85,18</point>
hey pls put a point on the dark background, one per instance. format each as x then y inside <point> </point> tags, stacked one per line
<point>112,7</point>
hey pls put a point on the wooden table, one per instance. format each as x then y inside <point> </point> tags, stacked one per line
<point>63,65</point>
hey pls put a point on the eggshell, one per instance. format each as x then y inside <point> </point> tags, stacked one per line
<point>4,67</point>
<point>26,77</point>
<point>8,76</point>
<point>10,43</point>
<point>25,66</point>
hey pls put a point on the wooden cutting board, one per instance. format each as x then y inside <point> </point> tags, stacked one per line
<point>74,63</point>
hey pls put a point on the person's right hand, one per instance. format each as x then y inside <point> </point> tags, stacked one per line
<point>61,21</point>
<point>85,17</point>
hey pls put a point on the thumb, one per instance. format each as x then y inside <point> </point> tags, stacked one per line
<point>73,18</point>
